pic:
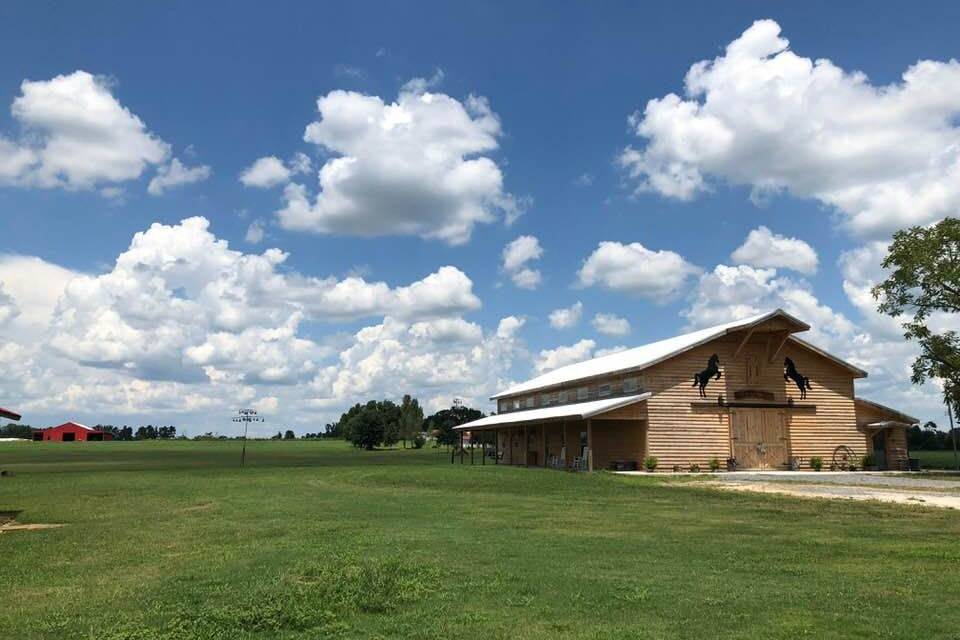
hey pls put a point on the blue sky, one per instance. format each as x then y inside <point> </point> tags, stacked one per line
<point>215,89</point>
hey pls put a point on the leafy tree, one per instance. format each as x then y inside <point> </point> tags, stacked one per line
<point>366,426</point>
<point>148,432</point>
<point>390,415</point>
<point>411,419</point>
<point>924,281</point>
<point>441,423</point>
<point>289,435</point>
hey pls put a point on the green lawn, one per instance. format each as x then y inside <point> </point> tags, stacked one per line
<point>314,540</point>
<point>935,459</point>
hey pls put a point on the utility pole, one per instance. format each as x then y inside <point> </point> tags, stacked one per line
<point>953,433</point>
<point>246,416</point>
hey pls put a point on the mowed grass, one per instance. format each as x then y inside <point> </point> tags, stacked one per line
<point>935,459</point>
<point>315,540</point>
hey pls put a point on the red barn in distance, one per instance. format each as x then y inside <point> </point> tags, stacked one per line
<point>70,432</point>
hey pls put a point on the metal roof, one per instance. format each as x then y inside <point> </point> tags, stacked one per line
<point>654,352</point>
<point>575,411</point>
<point>9,415</point>
<point>904,418</point>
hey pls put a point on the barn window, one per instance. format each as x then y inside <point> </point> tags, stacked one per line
<point>545,399</point>
<point>516,403</point>
<point>630,385</point>
<point>531,402</point>
<point>562,397</point>
<point>581,393</point>
<point>603,390</point>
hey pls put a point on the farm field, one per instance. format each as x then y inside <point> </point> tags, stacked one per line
<point>935,459</point>
<point>316,539</point>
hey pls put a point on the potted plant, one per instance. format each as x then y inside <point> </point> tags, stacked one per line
<point>868,462</point>
<point>650,463</point>
<point>816,463</point>
<point>694,468</point>
<point>676,468</point>
<point>714,465</point>
<point>731,464</point>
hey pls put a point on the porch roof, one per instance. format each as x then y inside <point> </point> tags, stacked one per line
<point>576,411</point>
<point>9,415</point>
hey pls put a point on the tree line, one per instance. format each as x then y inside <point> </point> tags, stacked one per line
<point>386,423</point>
<point>930,438</point>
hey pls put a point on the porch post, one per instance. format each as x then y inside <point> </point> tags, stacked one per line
<point>589,445</point>
<point>543,442</point>
<point>526,446</point>
<point>496,447</point>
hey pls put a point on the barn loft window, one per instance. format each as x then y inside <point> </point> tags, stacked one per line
<point>604,390</point>
<point>545,400</point>
<point>562,397</point>
<point>630,385</point>
<point>581,393</point>
<point>516,403</point>
<point>531,402</point>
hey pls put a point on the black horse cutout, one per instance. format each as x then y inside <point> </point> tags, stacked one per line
<point>791,373</point>
<point>712,372</point>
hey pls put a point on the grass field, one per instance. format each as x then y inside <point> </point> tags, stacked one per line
<point>935,459</point>
<point>314,540</point>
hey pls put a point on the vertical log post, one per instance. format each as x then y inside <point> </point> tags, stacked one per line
<point>543,442</point>
<point>589,445</point>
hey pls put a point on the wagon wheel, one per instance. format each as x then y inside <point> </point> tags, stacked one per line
<point>842,457</point>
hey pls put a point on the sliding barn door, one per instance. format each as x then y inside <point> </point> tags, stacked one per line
<point>759,438</point>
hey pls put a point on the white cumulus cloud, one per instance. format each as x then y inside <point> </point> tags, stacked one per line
<point>77,135</point>
<point>550,359</point>
<point>516,255</point>
<point>415,166</point>
<point>176,174</point>
<point>634,269</point>
<point>883,156</point>
<point>763,248</point>
<point>610,324</point>
<point>266,172</point>
<point>567,317</point>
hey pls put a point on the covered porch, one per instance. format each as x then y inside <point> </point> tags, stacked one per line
<point>600,434</point>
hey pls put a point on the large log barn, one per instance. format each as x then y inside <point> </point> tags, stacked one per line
<point>749,394</point>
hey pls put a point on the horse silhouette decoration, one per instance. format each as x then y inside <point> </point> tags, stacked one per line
<point>712,372</point>
<point>791,373</point>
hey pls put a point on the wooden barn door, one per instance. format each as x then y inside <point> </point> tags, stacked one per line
<point>759,438</point>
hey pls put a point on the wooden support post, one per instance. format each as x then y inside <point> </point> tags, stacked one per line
<point>496,446</point>
<point>526,446</point>
<point>461,447</point>
<point>589,445</point>
<point>543,443</point>
<point>471,448</point>
<point>563,444</point>
<point>483,452</point>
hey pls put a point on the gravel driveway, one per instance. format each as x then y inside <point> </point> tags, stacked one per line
<point>919,489</point>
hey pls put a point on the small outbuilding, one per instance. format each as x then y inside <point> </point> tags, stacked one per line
<point>71,432</point>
